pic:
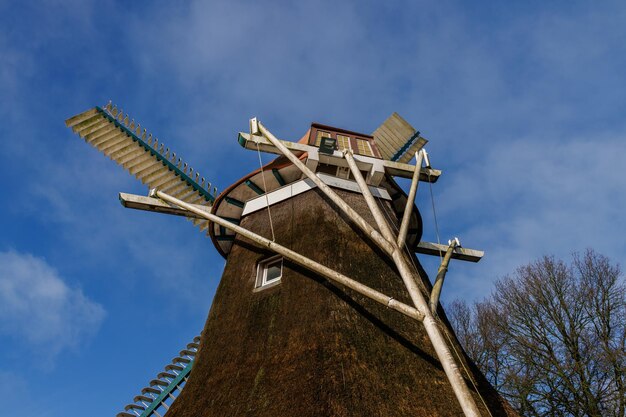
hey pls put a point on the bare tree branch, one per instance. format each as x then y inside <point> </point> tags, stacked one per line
<point>552,337</point>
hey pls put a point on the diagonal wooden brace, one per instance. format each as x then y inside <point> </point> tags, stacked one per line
<point>441,275</point>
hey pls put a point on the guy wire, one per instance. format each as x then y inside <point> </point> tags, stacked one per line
<point>267,200</point>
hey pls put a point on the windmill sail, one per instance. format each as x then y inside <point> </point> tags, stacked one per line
<point>397,139</point>
<point>163,390</point>
<point>123,140</point>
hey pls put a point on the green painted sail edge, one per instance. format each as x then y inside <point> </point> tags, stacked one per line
<point>406,146</point>
<point>171,387</point>
<point>177,171</point>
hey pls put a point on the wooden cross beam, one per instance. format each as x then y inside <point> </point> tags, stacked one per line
<point>397,169</point>
<point>460,253</point>
<point>139,202</point>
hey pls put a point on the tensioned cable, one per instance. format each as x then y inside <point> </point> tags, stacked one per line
<point>267,200</point>
<point>432,201</point>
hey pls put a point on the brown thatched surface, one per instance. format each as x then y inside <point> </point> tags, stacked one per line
<point>307,347</point>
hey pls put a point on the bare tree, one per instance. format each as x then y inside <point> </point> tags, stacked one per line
<point>552,337</point>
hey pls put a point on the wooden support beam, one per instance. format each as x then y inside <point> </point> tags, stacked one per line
<point>396,169</point>
<point>441,276</point>
<point>410,201</point>
<point>462,254</point>
<point>139,202</point>
<point>410,278</point>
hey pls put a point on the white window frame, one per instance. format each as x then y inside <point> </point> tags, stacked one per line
<point>369,146</point>
<point>348,140</point>
<point>261,272</point>
<point>321,134</point>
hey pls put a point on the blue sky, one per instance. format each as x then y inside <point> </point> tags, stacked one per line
<point>523,104</point>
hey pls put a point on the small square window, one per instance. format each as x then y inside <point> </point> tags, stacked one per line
<point>364,147</point>
<point>343,142</point>
<point>321,134</point>
<point>269,271</point>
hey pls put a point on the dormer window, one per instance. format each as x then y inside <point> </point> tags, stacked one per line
<point>343,142</point>
<point>358,143</point>
<point>363,147</point>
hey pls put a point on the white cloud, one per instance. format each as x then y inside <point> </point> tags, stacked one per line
<point>535,196</point>
<point>38,308</point>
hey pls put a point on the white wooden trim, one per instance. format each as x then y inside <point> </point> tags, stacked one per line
<point>299,187</point>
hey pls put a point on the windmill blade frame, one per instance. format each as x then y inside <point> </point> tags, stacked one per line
<point>119,137</point>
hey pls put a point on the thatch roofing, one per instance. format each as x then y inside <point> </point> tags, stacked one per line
<point>309,348</point>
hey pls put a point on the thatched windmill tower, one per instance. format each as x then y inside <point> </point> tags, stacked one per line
<point>323,308</point>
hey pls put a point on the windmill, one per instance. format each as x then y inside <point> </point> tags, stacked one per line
<point>323,308</point>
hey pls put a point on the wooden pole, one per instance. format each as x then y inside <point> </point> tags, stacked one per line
<point>444,354</point>
<point>441,275</point>
<point>410,201</point>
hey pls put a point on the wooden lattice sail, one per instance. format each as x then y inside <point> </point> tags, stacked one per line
<point>119,137</point>
<point>397,139</point>
<point>156,398</point>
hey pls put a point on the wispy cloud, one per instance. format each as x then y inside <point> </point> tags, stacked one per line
<point>535,196</point>
<point>40,310</point>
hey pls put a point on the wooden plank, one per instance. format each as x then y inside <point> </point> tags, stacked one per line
<point>403,121</point>
<point>116,146</point>
<point>139,202</point>
<point>386,136</point>
<point>395,136</point>
<point>195,199</point>
<point>90,126</point>
<point>103,135</point>
<point>122,150</point>
<point>81,117</point>
<point>74,120</point>
<point>398,169</point>
<point>149,179</point>
<point>402,135</point>
<point>176,189</point>
<point>189,195</point>
<point>111,148</point>
<point>166,181</point>
<point>462,254</point>
<point>129,157</point>
<point>403,127</point>
<point>136,169</point>
<point>392,143</point>
<point>146,172</point>
<point>251,141</point>
<point>145,156</point>
<point>384,147</point>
